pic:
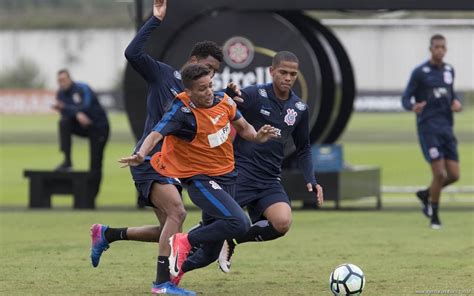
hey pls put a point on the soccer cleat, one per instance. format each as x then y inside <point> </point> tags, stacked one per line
<point>177,279</point>
<point>423,196</point>
<point>99,243</point>
<point>64,167</point>
<point>180,248</point>
<point>435,223</point>
<point>168,288</point>
<point>225,256</point>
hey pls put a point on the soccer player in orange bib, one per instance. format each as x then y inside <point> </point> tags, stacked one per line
<point>198,150</point>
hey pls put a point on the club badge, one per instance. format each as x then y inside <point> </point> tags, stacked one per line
<point>290,117</point>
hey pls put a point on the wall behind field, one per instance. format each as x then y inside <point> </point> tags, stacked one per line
<point>94,55</point>
<point>383,52</point>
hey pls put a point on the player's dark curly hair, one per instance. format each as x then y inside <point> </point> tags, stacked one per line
<point>206,48</point>
<point>193,72</point>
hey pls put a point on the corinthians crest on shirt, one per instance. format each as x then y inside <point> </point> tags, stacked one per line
<point>290,117</point>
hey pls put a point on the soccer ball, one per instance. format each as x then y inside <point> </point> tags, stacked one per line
<point>347,279</point>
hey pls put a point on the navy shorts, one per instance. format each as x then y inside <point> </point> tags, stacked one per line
<point>258,196</point>
<point>144,176</point>
<point>214,195</point>
<point>438,145</point>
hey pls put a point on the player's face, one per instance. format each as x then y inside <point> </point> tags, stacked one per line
<point>438,49</point>
<point>64,81</point>
<point>284,75</point>
<point>212,63</point>
<point>201,93</point>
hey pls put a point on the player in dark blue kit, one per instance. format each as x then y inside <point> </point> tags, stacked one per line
<point>82,115</point>
<point>157,191</point>
<point>431,84</point>
<point>258,186</point>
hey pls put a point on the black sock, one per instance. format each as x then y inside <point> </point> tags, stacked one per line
<point>260,231</point>
<point>162,270</point>
<point>115,234</point>
<point>434,207</point>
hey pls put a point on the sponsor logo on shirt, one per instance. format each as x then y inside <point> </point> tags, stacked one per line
<point>300,106</point>
<point>185,109</point>
<point>262,92</point>
<point>215,120</point>
<point>264,112</point>
<point>438,92</point>
<point>290,117</point>
<point>219,137</point>
<point>426,69</point>
<point>215,186</point>
<point>278,132</point>
<point>177,75</point>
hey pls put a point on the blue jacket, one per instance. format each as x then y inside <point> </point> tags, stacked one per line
<point>80,98</point>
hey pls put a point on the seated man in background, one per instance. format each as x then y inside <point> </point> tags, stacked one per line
<point>81,115</point>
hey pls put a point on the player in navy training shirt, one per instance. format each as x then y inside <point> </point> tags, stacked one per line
<point>258,186</point>
<point>431,84</point>
<point>157,191</point>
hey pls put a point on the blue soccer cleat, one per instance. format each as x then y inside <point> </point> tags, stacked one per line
<point>168,288</point>
<point>99,243</point>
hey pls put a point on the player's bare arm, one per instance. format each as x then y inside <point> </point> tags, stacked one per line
<point>247,131</point>
<point>159,9</point>
<point>138,158</point>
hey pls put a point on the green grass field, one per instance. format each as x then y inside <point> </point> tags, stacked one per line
<point>46,252</point>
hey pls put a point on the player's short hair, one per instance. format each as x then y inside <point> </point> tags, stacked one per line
<point>286,56</point>
<point>436,37</point>
<point>206,48</point>
<point>193,72</point>
<point>64,71</point>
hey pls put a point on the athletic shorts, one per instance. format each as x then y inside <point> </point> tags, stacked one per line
<point>258,196</point>
<point>144,176</point>
<point>214,196</point>
<point>438,145</point>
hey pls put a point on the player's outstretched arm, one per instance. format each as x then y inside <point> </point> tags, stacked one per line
<point>138,158</point>
<point>247,131</point>
<point>135,53</point>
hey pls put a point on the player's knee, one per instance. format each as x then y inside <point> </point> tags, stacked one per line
<point>177,214</point>
<point>282,225</point>
<point>453,178</point>
<point>440,177</point>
